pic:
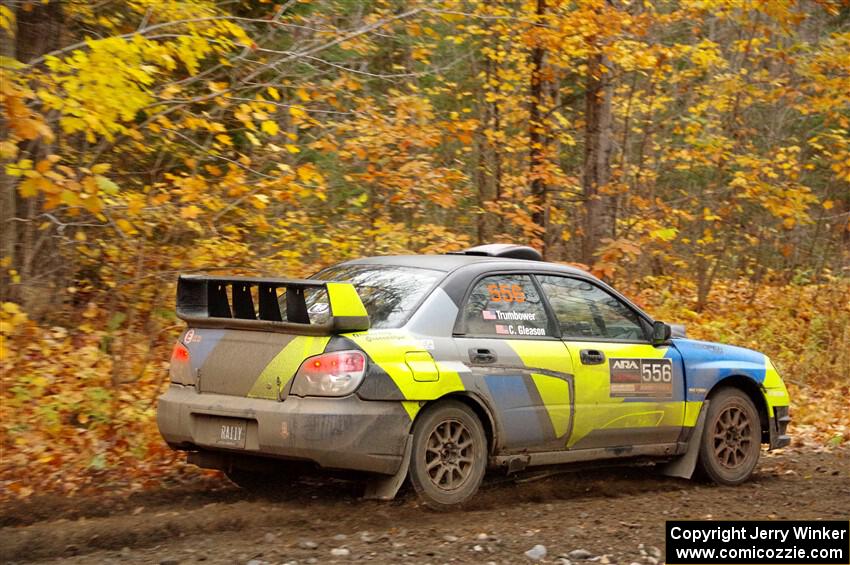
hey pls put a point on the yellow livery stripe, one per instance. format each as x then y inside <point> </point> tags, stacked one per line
<point>285,364</point>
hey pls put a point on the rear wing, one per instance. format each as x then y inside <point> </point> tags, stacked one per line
<point>247,303</point>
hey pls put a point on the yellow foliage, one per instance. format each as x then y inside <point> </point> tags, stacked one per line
<point>182,135</point>
<point>269,127</point>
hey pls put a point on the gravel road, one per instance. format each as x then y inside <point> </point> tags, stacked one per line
<point>610,515</point>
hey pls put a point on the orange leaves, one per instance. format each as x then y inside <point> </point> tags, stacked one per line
<point>773,183</point>
<point>24,123</point>
<point>62,421</point>
<point>613,255</point>
<point>61,186</point>
<point>391,150</point>
<point>190,212</point>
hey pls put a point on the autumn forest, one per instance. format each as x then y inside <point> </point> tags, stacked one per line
<point>693,153</point>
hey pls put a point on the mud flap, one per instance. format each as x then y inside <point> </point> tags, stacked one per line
<point>386,488</point>
<point>683,466</point>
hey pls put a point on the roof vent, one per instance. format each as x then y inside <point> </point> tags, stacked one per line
<point>506,250</point>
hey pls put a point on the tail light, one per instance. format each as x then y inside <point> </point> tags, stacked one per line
<point>331,374</point>
<point>180,370</point>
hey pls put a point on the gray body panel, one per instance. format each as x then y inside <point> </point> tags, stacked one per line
<point>343,433</point>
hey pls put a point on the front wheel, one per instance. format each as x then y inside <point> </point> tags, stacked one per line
<point>731,440</point>
<point>449,455</point>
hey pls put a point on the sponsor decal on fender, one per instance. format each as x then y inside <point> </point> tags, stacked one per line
<point>645,378</point>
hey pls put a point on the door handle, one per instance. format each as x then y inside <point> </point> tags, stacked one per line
<point>591,357</point>
<point>481,355</point>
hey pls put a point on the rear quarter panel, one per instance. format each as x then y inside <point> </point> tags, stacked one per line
<point>247,363</point>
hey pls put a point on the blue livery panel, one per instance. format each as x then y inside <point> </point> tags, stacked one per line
<point>707,363</point>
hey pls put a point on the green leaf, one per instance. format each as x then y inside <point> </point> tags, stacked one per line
<point>98,462</point>
<point>665,234</point>
<point>106,185</point>
<point>115,321</point>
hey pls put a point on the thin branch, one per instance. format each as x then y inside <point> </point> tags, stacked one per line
<point>220,157</point>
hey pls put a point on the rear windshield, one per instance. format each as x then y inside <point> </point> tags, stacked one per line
<point>389,293</point>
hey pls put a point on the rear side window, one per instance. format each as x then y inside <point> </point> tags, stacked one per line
<point>505,306</point>
<point>389,293</point>
<point>586,311</point>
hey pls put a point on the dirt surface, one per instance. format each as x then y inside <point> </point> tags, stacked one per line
<point>615,515</point>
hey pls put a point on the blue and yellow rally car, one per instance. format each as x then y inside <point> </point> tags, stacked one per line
<point>437,368</point>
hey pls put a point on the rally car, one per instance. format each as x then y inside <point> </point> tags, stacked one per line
<point>438,368</point>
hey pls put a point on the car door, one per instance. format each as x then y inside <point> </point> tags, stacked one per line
<point>627,391</point>
<point>517,362</point>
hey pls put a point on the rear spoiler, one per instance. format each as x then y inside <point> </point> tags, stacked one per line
<point>204,302</point>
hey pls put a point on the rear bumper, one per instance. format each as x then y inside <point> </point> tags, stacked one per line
<point>339,433</point>
<point>779,427</point>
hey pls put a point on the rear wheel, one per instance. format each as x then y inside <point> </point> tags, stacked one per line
<point>731,440</point>
<point>449,455</point>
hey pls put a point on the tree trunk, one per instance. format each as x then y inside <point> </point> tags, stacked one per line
<point>8,186</point>
<point>488,166</point>
<point>497,168</point>
<point>597,157</point>
<point>481,185</point>
<point>33,252</point>
<point>39,30</point>
<point>537,134</point>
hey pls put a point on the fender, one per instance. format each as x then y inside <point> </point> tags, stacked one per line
<point>386,488</point>
<point>708,365</point>
<point>485,414</point>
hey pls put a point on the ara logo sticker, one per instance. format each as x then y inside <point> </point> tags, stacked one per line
<point>630,364</point>
<point>641,378</point>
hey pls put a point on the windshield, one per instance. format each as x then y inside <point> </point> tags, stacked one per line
<point>389,293</point>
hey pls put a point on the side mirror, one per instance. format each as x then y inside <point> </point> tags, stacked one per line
<point>661,333</point>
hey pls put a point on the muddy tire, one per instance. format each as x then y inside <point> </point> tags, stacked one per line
<point>731,439</point>
<point>449,455</point>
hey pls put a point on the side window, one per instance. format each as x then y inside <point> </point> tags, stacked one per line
<point>506,306</point>
<point>585,311</point>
